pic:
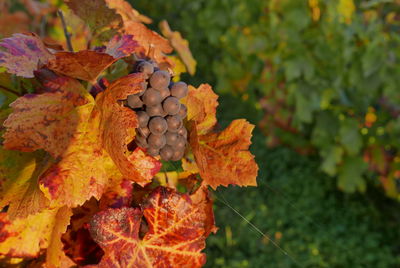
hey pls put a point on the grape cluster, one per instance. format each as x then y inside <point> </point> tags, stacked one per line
<point>160,113</point>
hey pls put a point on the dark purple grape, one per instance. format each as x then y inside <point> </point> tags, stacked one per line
<point>145,67</point>
<point>164,92</point>
<point>153,151</point>
<point>158,125</point>
<point>183,132</point>
<point>171,105</point>
<point>166,152</point>
<point>143,131</point>
<point>178,154</point>
<point>174,123</point>
<point>151,97</point>
<point>160,79</point>
<point>143,118</point>
<point>179,90</point>
<point>143,87</point>
<point>181,143</point>
<point>156,110</point>
<point>141,141</point>
<point>171,138</point>
<point>183,111</point>
<point>134,101</point>
<point>156,141</point>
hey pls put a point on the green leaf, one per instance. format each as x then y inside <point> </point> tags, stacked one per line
<point>349,136</point>
<point>350,174</point>
<point>331,157</point>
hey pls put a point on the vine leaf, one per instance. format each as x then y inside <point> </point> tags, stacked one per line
<point>175,237</point>
<point>119,125</point>
<point>19,187</point>
<point>202,107</point>
<point>223,158</point>
<point>96,14</point>
<point>47,121</point>
<point>126,11</point>
<point>88,64</point>
<point>150,43</point>
<point>180,45</point>
<point>19,239</point>
<point>24,54</point>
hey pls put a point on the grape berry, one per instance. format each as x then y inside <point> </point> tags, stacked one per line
<point>160,113</point>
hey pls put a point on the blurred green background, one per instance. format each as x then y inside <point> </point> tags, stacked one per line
<point>320,80</point>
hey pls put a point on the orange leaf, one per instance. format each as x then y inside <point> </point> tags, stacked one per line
<point>175,237</point>
<point>222,158</point>
<point>25,52</point>
<point>119,125</point>
<point>46,121</point>
<point>25,237</point>
<point>87,64</point>
<point>201,199</point>
<point>151,43</point>
<point>180,45</point>
<point>202,107</point>
<point>63,123</point>
<point>126,11</point>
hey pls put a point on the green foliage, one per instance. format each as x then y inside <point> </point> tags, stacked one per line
<point>319,226</point>
<point>325,72</point>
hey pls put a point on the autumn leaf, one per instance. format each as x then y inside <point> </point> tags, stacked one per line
<point>119,125</point>
<point>47,121</point>
<point>223,158</point>
<point>88,64</point>
<point>151,43</point>
<point>24,53</point>
<point>95,13</point>
<point>78,244</point>
<point>19,239</point>
<point>180,45</point>
<point>175,237</point>
<point>19,187</point>
<point>201,199</point>
<point>202,107</point>
<point>126,11</point>
<point>62,122</point>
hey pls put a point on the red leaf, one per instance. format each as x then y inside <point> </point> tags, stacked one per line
<point>24,53</point>
<point>175,238</point>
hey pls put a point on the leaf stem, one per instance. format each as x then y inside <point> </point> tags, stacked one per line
<point>66,33</point>
<point>10,90</point>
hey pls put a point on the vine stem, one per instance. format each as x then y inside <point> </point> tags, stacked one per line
<point>10,90</point>
<point>66,33</point>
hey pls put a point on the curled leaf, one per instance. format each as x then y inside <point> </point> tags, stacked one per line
<point>24,53</point>
<point>175,237</point>
<point>180,45</point>
<point>119,127</point>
